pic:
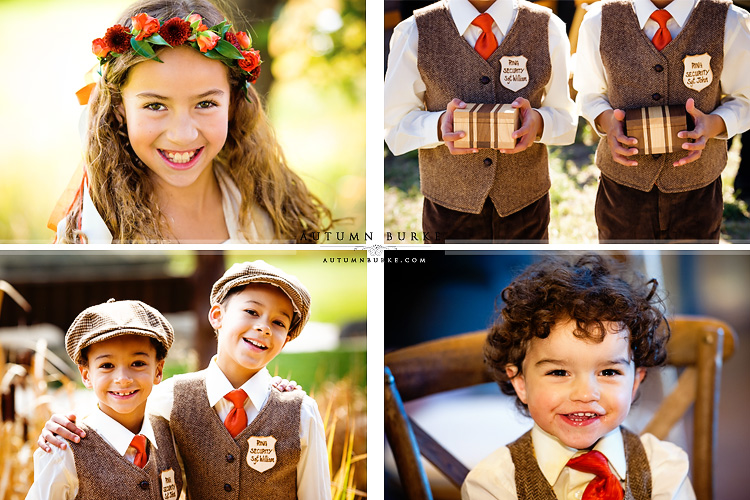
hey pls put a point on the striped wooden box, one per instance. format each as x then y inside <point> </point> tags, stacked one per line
<point>486,125</point>
<point>656,128</point>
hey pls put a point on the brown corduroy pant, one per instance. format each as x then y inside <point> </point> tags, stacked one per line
<point>528,225</point>
<point>625,214</point>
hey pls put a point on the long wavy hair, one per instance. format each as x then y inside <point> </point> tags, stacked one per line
<point>120,184</point>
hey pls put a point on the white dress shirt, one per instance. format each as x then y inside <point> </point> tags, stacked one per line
<point>494,477</point>
<point>55,476</point>
<point>261,227</point>
<point>313,476</point>
<point>590,79</point>
<point>408,126</point>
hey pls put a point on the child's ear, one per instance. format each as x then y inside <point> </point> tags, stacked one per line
<point>120,114</point>
<point>84,370</point>
<point>215,315</point>
<point>159,371</point>
<point>518,381</point>
<point>640,374</point>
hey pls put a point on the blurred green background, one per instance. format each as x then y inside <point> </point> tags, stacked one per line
<point>312,81</point>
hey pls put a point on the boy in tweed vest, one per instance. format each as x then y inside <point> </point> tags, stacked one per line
<point>238,436</point>
<point>644,53</point>
<point>454,52</point>
<point>573,345</point>
<point>120,349</point>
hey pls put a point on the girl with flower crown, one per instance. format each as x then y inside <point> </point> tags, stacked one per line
<point>178,147</point>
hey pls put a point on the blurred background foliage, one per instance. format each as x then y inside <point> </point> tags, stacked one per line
<point>312,81</point>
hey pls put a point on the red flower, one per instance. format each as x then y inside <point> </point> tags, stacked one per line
<point>144,26</point>
<point>175,31</point>
<point>244,40</point>
<point>118,39</point>
<point>252,77</point>
<point>99,48</point>
<point>232,38</point>
<point>207,40</point>
<point>251,60</point>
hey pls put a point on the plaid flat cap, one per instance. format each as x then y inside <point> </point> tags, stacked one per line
<point>112,319</point>
<point>261,272</point>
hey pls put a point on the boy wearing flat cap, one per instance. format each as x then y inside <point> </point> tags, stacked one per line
<point>240,437</point>
<point>119,347</point>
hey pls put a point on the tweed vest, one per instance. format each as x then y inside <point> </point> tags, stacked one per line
<point>217,465</point>
<point>641,76</point>
<point>104,473</point>
<point>450,68</point>
<point>532,485</point>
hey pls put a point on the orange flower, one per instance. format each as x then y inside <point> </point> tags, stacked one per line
<point>144,26</point>
<point>197,18</point>
<point>207,40</point>
<point>100,48</point>
<point>244,40</point>
<point>251,60</point>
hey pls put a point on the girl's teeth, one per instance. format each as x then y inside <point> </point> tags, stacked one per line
<point>181,157</point>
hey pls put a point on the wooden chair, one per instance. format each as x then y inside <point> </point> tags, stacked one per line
<point>698,344</point>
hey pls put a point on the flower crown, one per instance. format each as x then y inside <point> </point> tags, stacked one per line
<point>216,42</point>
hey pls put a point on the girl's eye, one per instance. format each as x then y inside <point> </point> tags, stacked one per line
<point>251,312</point>
<point>106,366</point>
<point>206,104</point>
<point>280,323</point>
<point>139,363</point>
<point>155,106</point>
<point>557,373</point>
<point>611,372</point>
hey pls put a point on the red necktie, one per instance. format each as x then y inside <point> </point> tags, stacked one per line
<point>662,36</point>
<point>486,43</point>
<point>139,443</point>
<point>237,418</point>
<point>605,486</point>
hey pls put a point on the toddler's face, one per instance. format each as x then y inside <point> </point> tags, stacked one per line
<point>253,326</point>
<point>177,114</point>
<point>578,390</point>
<point>122,371</point>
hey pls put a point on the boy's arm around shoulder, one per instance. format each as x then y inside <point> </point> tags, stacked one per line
<point>494,478</point>
<point>313,474</point>
<point>55,476</point>
<point>669,469</point>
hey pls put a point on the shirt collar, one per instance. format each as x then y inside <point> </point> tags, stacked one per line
<point>217,385</point>
<point>463,13</point>
<point>679,9</point>
<point>552,455</point>
<point>114,433</point>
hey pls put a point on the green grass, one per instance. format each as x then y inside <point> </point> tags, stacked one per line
<point>574,183</point>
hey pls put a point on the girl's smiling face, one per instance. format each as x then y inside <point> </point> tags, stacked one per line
<point>576,389</point>
<point>177,114</point>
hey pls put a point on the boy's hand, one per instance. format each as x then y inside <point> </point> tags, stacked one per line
<point>611,123</point>
<point>57,427</point>
<point>284,385</point>
<point>532,126</point>
<point>706,127</point>
<point>445,129</point>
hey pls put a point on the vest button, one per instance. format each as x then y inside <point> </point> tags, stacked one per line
<point>487,162</point>
<point>143,485</point>
<point>658,68</point>
<point>656,157</point>
<point>227,487</point>
<point>656,96</point>
<point>485,80</point>
<point>230,458</point>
